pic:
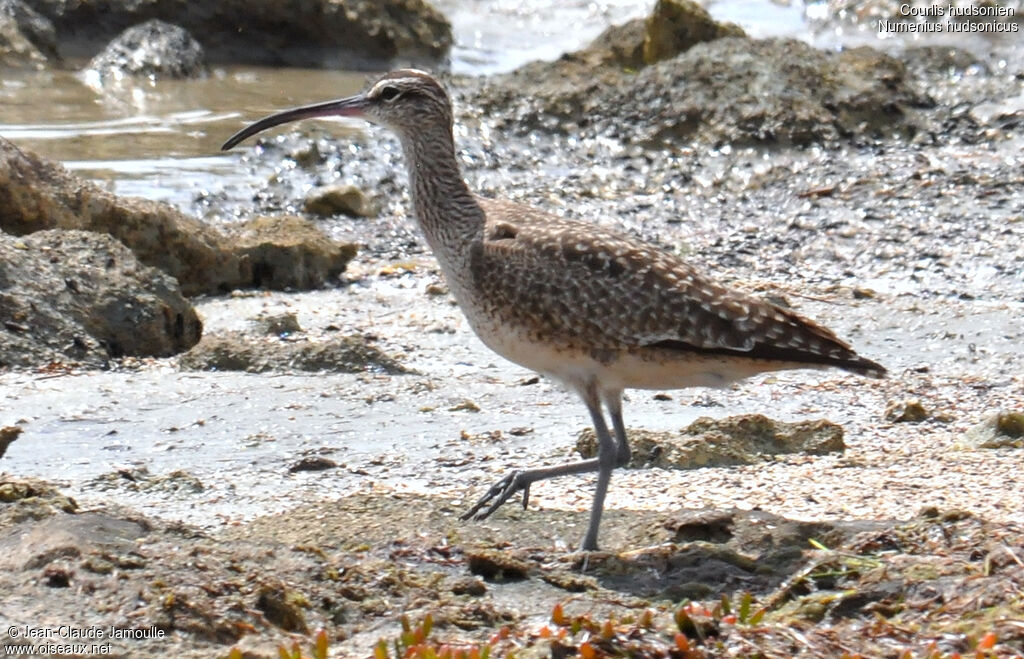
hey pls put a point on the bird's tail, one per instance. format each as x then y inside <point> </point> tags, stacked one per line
<point>862,366</point>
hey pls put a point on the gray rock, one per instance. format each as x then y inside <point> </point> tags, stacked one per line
<point>37,194</point>
<point>83,297</point>
<point>7,436</point>
<point>234,351</point>
<point>138,479</point>
<point>941,60</point>
<point>24,499</point>
<point>153,49</point>
<point>906,411</point>
<point>33,544</point>
<point>27,39</point>
<point>290,252</point>
<point>317,33</point>
<point>339,200</point>
<point>619,45</point>
<point>733,89</point>
<point>736,440</point>
<point>279,325</point>
<point>675,26</point>
<point>999,430</point>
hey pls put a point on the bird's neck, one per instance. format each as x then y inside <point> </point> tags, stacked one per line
<point>448,213</point>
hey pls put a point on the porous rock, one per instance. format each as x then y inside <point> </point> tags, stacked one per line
<point>737,440</point>
<point>27,39</point>
<point>727,90</point>
<point>287,252</point>
<point>290,252</point>
<point>234,351</point>
<point>154,49</point>
<point>24,499</point>
<point>677,25</point>
<point>7,436</point>
<point>338,200</point>
<point>312,33</point>
<point>906,411</point>
<point>83,297</point>
<point>38,194</point>
<point>1003,429</point>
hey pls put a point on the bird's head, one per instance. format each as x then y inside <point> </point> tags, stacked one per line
<point>405,101</point>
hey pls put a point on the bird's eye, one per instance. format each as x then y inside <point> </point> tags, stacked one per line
<point>388,94</point>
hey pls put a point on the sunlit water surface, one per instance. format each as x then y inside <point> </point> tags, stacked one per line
<point>160,140</point>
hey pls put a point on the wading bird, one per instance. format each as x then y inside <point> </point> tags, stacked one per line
<point>595,310</point>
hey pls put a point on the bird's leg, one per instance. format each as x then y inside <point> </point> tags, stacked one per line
<point>608,456</point>
<point>613,401</point>
<point>503,490</point>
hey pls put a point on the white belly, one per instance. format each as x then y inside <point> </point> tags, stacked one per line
<point>627,368</point>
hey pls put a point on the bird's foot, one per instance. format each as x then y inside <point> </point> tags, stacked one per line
<point>499,493</point>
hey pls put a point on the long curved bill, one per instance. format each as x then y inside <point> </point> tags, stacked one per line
<point>352,106</point>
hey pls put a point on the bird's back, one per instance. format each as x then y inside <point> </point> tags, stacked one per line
<point>542,281</point>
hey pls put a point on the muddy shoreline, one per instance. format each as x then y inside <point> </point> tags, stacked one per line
<point>245,509</point>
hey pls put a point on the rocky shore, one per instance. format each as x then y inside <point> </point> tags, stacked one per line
<point>340,416</point>
<point>322,33</point>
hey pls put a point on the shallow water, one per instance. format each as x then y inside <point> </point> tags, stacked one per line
<point>497,36</point>
<point>161,140</point>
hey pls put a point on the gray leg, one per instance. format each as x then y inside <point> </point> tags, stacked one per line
<point>503,490</point>
<point>606,460</point>
<point>608,456</point>
<point>614,404</point>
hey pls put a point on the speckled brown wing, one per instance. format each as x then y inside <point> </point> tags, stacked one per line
<point>576,283</point>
